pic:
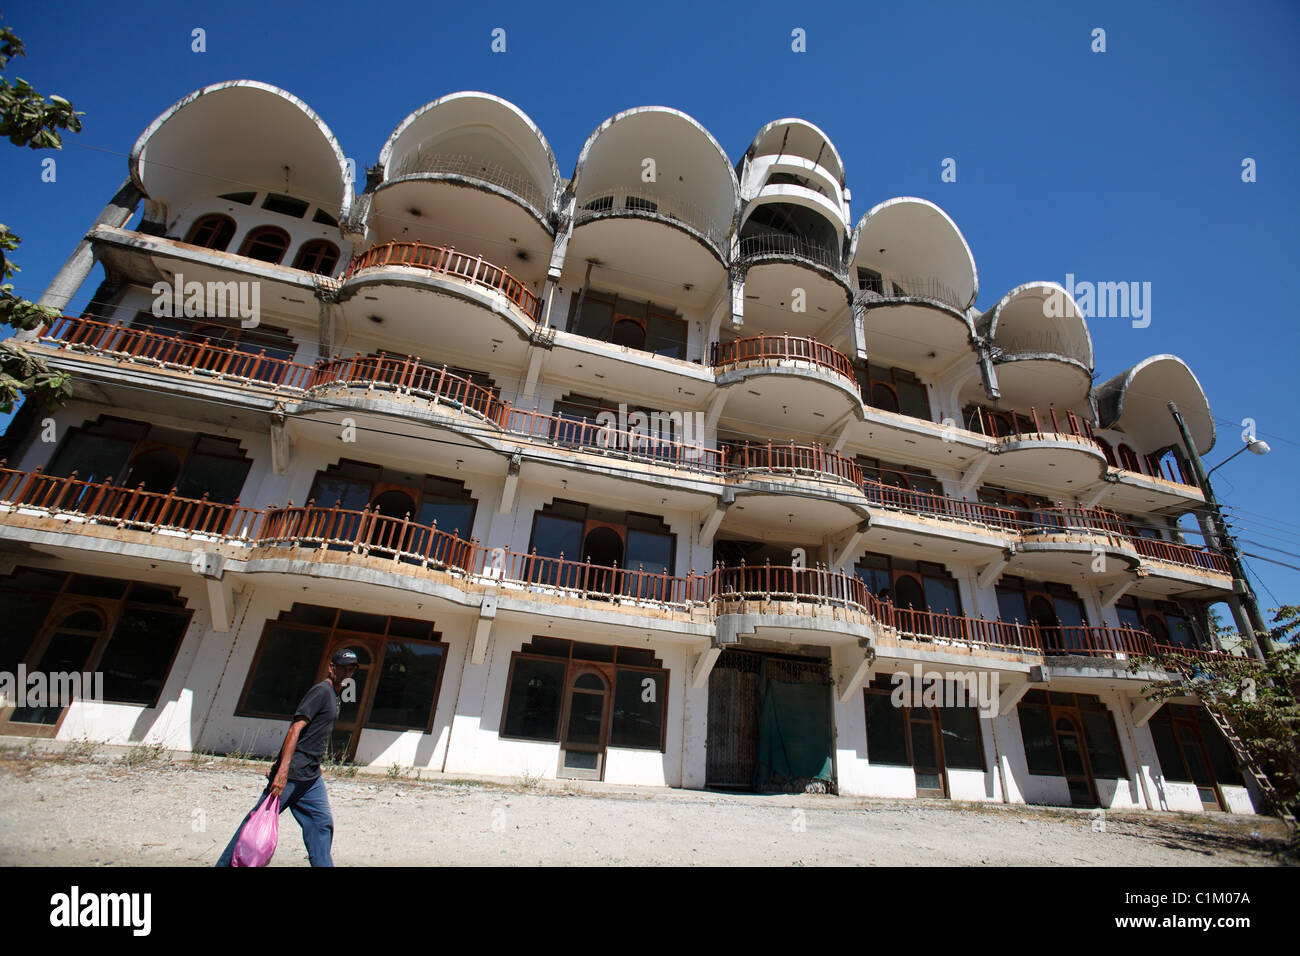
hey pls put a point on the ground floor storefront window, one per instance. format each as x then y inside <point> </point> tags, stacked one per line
<point>66,624</point>
<point>399,673</point>
<point>1071,736</point>
<point>1192,750</point>
<point>930,740</point>
<point>586,697</point>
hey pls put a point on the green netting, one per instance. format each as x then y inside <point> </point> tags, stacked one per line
<point>794,735</point>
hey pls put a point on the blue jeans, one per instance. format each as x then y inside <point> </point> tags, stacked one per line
<point>311,808</point>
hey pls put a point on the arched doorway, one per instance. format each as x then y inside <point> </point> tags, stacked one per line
<point>1074,760</point>
<point>586,713</point>
<point>157,470</point>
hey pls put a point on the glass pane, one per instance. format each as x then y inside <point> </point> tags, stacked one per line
<point>924,754</point>
<point>66,653</point>
<point>286,670</point>
<point>1071,755</point>
<point>453,517</point>
<point>941,596</point>
<point>595,319</point>
<point>1192,754</point>
<point>585,712</point>
<point>221,479</point>
<point>961,738</point>
<point>1102,751</point>
<point>1222,759</point>
<point>1040,742</point>
<point>1167,749</point>
<point>140,653</point>
<point>408,681</point>
<point>93,457</point>
<point>638,709</point>
<point>666,336</point>
<point>1011,606</point>
<point>23,615</point>
<point>885,727</point>
<point>327,489</point>
<point>913,400</point>
<point>533,707</point>
<point>907,593</point>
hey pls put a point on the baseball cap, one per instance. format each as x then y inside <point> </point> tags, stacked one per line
<point>347,657</point>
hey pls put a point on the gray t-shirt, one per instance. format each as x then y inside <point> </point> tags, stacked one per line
<point>320,706</point>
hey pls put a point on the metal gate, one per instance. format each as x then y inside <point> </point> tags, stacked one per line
<point>735,705</point>
<point>732,743</point>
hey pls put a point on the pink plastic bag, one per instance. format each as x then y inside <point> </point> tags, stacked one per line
<point>257,840</point>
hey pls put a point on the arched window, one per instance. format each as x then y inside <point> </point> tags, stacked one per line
<point>319,256</point>
<point>266,243</point>
<point>1128,459</point>
<point>212,232</point>
<point>1109,452</point>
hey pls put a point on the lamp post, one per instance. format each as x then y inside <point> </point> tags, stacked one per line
<point>1240,584</point>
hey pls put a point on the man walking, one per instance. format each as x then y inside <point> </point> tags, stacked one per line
<point>295,775</point>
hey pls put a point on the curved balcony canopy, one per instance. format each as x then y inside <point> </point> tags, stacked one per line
<point>915,243</point>
<point>673,227</point>
<point>1135,402</point>
<point>237,136</point>
<point>1042,352</point>
<point>470,170</point>
<point>796,138</point>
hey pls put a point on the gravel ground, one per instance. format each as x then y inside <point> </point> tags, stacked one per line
<point>150,808</point>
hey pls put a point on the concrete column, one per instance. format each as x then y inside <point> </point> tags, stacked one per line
<point>68,280</point>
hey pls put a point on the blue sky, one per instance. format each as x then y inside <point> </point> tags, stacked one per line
<point>1115,166</point>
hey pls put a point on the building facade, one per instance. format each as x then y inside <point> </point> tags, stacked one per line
<point>666,473</point>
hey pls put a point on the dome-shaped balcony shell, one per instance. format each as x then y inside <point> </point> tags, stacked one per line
<point>240,136</point>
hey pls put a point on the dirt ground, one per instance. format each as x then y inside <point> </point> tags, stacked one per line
<point>146,807</point>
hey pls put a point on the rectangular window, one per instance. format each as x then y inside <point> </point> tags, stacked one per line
<point>639,707</point>
<point>962,747</point>
<point>139,655</point>
<point>886,730</point>
<point>533,700</point>
<point>285,670</point>
<point>285,205</point>
<point>408,686</point>
<point>1040,741</point>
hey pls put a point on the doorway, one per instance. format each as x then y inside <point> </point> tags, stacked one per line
<point>770,724</point>
<point>585,724</point>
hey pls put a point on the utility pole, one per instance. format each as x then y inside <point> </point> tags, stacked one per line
<point>1240,584</point>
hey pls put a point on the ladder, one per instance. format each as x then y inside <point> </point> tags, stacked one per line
<point>1248,763</point>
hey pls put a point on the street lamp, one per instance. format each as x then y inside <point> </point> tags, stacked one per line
<point>1255,446</point>
<point>1240,583</point>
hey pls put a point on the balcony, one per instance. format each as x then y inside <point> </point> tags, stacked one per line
<point>795,386</point>
<point>1181,554</point>
<point>782,246</point>
<point>765,349</point>
<point>1035,450</point>
<point>446,261</point>
<point>335,535</point>
<point>789,460</point>
<point>407,376</point>
<point>645,204</point>
<point>460,166</point>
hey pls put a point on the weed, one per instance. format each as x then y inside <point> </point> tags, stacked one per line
<point>83,749</point>
<point>146,756</point>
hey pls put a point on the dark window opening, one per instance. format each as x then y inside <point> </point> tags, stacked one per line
<point>213,231</point>
<point>266,244</point>
<point>285,205</point>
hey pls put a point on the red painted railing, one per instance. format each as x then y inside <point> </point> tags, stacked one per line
<point>763,347</point>
<point>1033,427</point>
<point>403,541</point>
<point>954,509</point>
<point>790,458</point>
<point>106,503</point>
<point>445,260</point>
<point>412,376</point>
<point>1181,554</point>
<point>153,348</point>
<point>642,444</point>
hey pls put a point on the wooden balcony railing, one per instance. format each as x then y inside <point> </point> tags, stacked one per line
<point>170,351</point>
<point>940,506</point>
<point>790,458</point>
<point>639,444</point>
<point>787,347</point>
<point>412,376</point>
<point>410,543</point>
<point>444,260</point>
<point>1182,554</point>
<point>1016,426</point>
